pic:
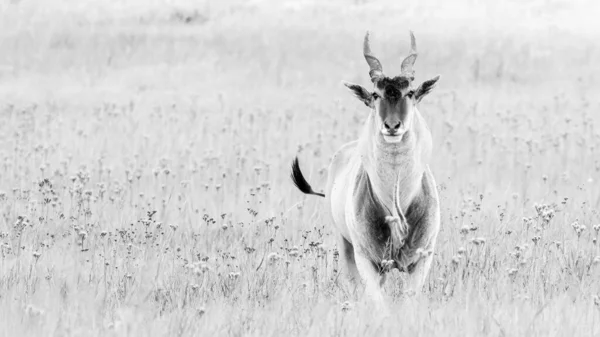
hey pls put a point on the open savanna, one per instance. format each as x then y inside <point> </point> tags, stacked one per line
<point>145,150</point>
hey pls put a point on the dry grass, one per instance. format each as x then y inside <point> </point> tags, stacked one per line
<point>145,147</point>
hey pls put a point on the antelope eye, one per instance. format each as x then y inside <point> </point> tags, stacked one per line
<point>375,96</point>
<point>410,94</point>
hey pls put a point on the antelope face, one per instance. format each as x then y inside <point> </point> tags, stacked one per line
<point>393,100</point>
<point>393,107</point>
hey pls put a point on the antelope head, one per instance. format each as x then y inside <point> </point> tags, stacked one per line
<point>393,99</point>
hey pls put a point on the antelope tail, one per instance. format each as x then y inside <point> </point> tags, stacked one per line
<point>299,180</point>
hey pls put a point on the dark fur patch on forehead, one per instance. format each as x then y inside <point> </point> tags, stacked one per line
<point>400,82</point>
<point>392,87</point>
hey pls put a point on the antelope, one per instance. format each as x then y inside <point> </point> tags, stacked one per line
<point>380,190</point>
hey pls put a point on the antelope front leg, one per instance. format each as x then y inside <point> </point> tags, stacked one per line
<point>418,252</point>
<point>417,255</point>
<point>371,277</point>
<point>418,271</point>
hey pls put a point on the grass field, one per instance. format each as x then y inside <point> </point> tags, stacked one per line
<point>145,150</point>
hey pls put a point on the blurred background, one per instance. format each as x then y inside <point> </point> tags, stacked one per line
<point>265,76</point>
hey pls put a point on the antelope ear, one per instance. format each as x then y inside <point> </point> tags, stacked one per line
<point>425,88</point>
<point>361,93</point>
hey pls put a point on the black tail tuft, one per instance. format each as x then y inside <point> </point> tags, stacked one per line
<point>299,180</point>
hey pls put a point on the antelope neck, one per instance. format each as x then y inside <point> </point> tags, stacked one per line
<point>387,163</point>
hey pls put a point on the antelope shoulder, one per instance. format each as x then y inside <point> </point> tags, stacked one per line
<point>423,215</point>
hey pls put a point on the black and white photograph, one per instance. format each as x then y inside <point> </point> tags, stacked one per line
<point>299,168</point>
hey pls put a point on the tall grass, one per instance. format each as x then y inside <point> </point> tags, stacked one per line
<point>145,151</point>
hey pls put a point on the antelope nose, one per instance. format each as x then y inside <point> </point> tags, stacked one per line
<point>392,128</point>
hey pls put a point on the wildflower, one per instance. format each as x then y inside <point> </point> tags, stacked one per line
<point>422,252</point>
<point>204,267</point>
<point>83,234</point>
<point>536,239</point>
<point>575,224</point>
<point>512,272</point>
<point>273,257</point>
<point>596,299</point>
<point>37,254</point>
<point>545,212</point>
<point>224,226</point>
<point>234,275</point>
<point>346,306</point>
<point>455,259</point>
<point>392,220</point>
<point>579,229</point>
<point>387,264</point>
<point>33,311</point>
<point>596,260</point>
<point>478,241</point>
<point>462,251</point>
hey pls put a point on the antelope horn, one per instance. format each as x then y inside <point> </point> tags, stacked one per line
<point>409,61</point>
<point>376,70</point>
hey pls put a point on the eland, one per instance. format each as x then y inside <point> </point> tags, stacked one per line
<point>380,189</point>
